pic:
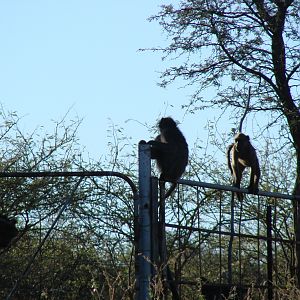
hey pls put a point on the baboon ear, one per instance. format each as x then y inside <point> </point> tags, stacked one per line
<point>247,137</point>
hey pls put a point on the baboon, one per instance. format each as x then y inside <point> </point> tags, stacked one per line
<point>8,230</point>
<point>241,154</point>
<point>170,150</point>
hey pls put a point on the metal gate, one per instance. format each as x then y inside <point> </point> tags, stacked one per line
<point>204,242</point>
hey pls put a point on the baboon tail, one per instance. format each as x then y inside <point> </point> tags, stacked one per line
<point>228,158</point>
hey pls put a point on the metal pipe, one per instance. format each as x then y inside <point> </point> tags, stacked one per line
<point>269,253</point>
<point>234,189</point>
<point>144,242</point>
<point>71,174</point>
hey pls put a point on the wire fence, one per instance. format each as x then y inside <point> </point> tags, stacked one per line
<point>83,183</point>
<point>217,244</point>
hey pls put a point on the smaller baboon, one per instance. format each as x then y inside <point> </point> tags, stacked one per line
<point>8,230</point>
<point>241,154</point>
<point>170,150</point>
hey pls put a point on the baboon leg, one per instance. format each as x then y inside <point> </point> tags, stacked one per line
<point>237,177</point>
<point>254,179</point>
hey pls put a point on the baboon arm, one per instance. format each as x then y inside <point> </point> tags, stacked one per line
<point>157,148</point>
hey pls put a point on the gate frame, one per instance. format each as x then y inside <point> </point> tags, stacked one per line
<point>146,217</point>
<point>81,175</point>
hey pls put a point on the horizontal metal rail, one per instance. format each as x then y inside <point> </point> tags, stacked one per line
<point>234,189</point>
<point>72,174</point>
<point>221,232</point>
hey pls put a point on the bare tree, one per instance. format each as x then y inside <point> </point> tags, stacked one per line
<point>231,44</point>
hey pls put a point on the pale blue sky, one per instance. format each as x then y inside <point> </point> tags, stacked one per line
<point>62,54</point>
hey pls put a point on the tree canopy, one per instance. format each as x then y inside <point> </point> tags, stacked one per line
<point>232,44</point>
<point>229,45</point>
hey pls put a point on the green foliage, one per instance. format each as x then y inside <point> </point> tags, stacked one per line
<point>89,253</point>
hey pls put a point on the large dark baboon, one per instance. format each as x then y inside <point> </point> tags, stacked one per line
<point>170,150</point>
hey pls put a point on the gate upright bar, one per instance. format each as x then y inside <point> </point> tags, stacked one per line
<point>269,253</point>
<point>143,275</point>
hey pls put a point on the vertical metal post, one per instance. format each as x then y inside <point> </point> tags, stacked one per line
<point>143,275</point>
<point>163,243</point>
<point>269,252</point>
<point>154,225</point>
<point>231,239</point>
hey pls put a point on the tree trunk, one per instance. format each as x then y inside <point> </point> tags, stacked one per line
<point>292,114</point>
<point>296,207</point>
